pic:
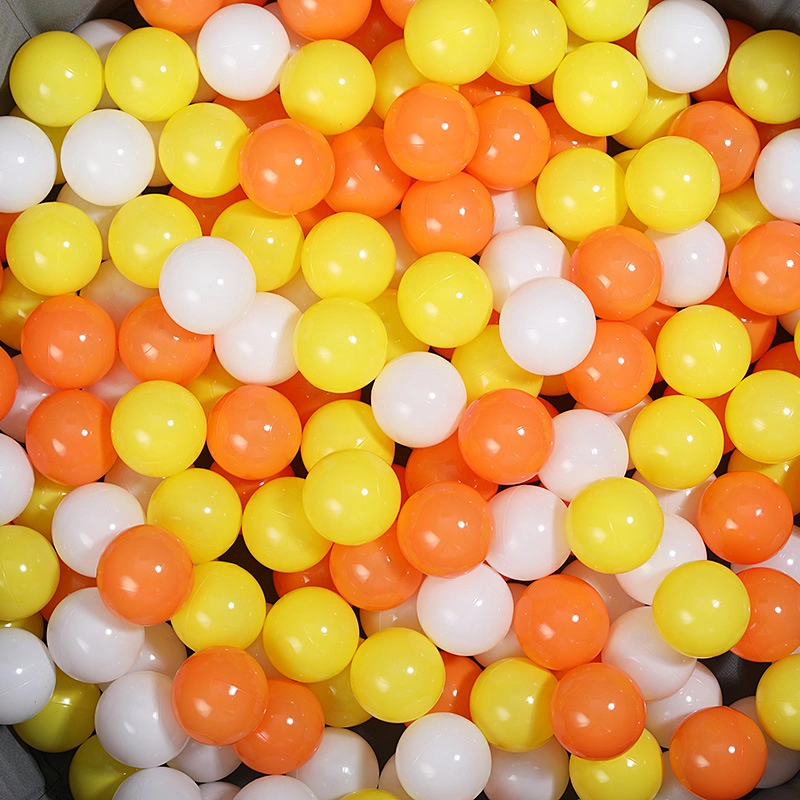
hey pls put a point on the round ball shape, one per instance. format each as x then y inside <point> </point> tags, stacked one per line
<point>28,675</point>
<point>27,166</point>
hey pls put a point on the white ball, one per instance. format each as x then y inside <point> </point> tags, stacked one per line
<point>635,646</point>
<point>27,675</point>
<point>241,51</point>
<point>682,502</point>
<point>219,790</point>
<point>467,614</point>
<point>108,157</point>
<point>206,284</point>
<point>135,723</point>
<point>547,326</point>
<point>140,486</point>
<point>257,348</point>
<point>786,560</point>
<point>782,763</point>
<point>789,321</point>
<point>111,290</point>
<point>680,543</point>
<point>683,45</point>
<point>298,291</point>
<point>296,40</point>
<point>27,165</point>
<point>114,384</point>
<point>16,479</point>
<point>276,787</point>
<point>102,217</point>
<point>204,762</point>
<point>700,691</point>
<point>541,773</point>
<point>88,519</point>
<point>509,646</point>
<point>162,651</point>
<point>158,783</point>
<point>102,35</point>
<point>519,255</point>
<point>89,643</point>
<point>516,208</point>
<point>529,533</point>
<point>405,254</point>
<point>402,616</point>
<point>624,420</point>
<point>777,176</point>
<point>344,763</point>
<point>418,399</point>
<point>443,755</point>
<point>30,392</point>
<point>616,600</point>
<point>694,264</point>
<point>671,787</point>
<point>389,781</point>
<point>587,446</point>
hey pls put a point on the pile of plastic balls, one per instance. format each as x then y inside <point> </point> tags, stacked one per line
<point>462,330</point>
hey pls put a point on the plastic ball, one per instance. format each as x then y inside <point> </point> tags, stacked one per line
<point>760,328</point>
<point>162,651</point>
<point>776,178</point>
<point>614,525</point>
<point>205,762</point>
<point>181,16</point>
<point>56,78</point>
<point>226,608</point>
<point>394,75</point>
<point>30,391</point>
<point>9,383</point>
<point>161,780</point>
<point>659,111</point>
<point>16,480</point>
<point>777,701</point>
<point>468,613</point>
<point>271,787</point>
<point>542,772</point>
<point>581,190</point>
<point>29,675</point>
<point>431,131</point>
<point>325,19</point>
<point>28,165</point>
<point>94,774</point>
<point>606,23</point>
<point>54,248</point>
<point>515,208</point>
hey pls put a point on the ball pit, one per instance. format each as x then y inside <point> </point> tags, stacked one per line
<point>501,394</point>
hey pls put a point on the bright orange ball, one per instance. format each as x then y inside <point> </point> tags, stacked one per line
<point>179,16</point>
<point>460,674</point>
<point>377,31</point>
<point>207,209</point>
<point>782,356</point>
<point>9,381</point>
<point>397,10</point>
<point>317,575</point>
<point>486,86</point>
<point>258,112</point>
<point>564,137</point>
<point>307,398</point>
<point>325,19</point>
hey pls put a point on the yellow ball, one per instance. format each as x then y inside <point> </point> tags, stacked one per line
<point>672,183</point>
<point>33,624</point>
<point>225,608</point>
<point>510,703</point>
<point>270,241</point>
<point>340,345</point>
<point>199,149</point>
<point>151,73</point>
<point>452,41</point>
<point>394,74</point>
<point>400,339</point>
<point>310,634</point>
<point>348,255</point>
<point>94,774</point>
<point>46,497</point>
<point>580,191</point>
<point>397,675</point>
<point>276,530</point>
<point>29,572</point>
<point>785,473</point>
<point>343,425</point>
<point>212,383</point>
<point>16,305</point>
<point>703,351</point>
<point>351,497</point>
<point>778,701</point>
<point>158,428</point>
<point>339,704</point>
<point>201,508</point>
<point>56,78</point>
<point>370,794</point>
<point>599,89</point>
<point>445,299</point>
<point>533,40</point>
<point>54,248</point>
<point>145,231</point>
<point>67,719</point>
<point>603,22</point>
<point>657,114</point>
<point>485,366</point>
<point>737,212</point>
<point>701,608</point>
<point>328,85</point>
<point>634,775</point>
<point>614,525</point>
<point>676,442</point>
<point>764,78</point>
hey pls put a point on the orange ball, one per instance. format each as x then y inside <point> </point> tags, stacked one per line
<point>307,398</point>
<point>762,268</point>
<point>460,674</point>
<point>375,33</point>
<point>650,321</point>
<point>374,576</point>
<point>311,216</point>
<point>145,575</point>
<point>253,432</point>
<point>366,179</point>
<point>597,711</point>
<point>564,136</point>
<point>68,437</point>
<point>9,381</point>
<point>619,371</point>
<point>486,86</point>
<point>513,143</point>
<point>397,10</point>
<point>258,112</point>
<point>445,528</point>
<point>505,436</point>
<point>288,734</point>
<point>561,622</point>
<point>69,342</point>
<point>286,167</point>
<point>744,517</point>
<point>219,695</point>
<point>6,221</point>
<point>69,581</point>
<point>179,16</point>
<point>455,214</point>
<point>718,88</point>
<point>317,575</point>
<point>782,356</point>
<point>431,132</point>
<point>207,209</point>
<point>324,19</point>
